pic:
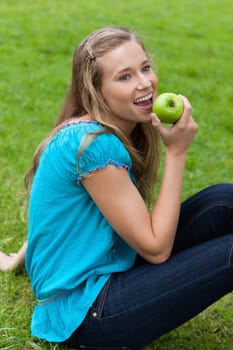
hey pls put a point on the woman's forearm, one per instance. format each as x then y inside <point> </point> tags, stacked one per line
<point>165,214</point>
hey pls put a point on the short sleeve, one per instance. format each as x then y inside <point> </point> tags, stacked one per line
<point>105,149</point>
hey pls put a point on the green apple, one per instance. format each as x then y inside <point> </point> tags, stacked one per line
<point>168,107</point>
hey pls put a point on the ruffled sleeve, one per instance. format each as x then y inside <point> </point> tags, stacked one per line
<point>105,149</point>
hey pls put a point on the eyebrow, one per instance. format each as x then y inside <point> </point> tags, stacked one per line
<point>129,68</point>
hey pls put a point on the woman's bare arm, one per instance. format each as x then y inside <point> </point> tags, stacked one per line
<point>150,234</point>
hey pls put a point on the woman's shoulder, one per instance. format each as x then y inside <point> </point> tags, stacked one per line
<point>81,126</point>
<point>88,138</point>
<point>100,147</point>
<point>101,140</point>
<point>71,133</point>
<point>90,134</point>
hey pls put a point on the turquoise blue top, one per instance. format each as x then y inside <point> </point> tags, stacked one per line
<point>72,250</point>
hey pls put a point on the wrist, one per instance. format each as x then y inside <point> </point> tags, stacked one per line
<point>177,156</point>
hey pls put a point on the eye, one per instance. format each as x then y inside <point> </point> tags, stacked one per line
<point>124,77</point>
<point>146,68</point>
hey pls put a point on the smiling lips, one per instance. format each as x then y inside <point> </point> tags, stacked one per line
<point>144,101</point>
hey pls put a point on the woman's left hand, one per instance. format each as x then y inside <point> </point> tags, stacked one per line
<point>8,262</point>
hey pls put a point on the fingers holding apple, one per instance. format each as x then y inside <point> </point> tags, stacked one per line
<point>179,136</point>
<point>168,107</point>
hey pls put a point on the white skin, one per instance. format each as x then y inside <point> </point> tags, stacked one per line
<point>127,76</point>
<point>14,260</point>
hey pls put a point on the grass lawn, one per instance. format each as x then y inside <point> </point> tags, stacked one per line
<point>191,42</point>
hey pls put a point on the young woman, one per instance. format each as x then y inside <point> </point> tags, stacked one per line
<point>107,271</point>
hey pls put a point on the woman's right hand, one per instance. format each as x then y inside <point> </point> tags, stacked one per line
<point>180,135</point>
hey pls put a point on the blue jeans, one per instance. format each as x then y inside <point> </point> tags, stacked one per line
<point>137,306</point>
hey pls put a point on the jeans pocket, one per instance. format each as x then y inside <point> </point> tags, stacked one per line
<point>98,306</point>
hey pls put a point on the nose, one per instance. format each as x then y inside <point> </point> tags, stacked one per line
<point>143,82</point>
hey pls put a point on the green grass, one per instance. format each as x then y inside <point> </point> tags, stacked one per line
<point>191,42</point>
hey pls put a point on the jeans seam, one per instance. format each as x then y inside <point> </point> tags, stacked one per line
<point>97,308</point>
<point>210,206</point>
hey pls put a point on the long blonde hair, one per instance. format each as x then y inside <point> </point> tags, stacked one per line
<point>85,97</point>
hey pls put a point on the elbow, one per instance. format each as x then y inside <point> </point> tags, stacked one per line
<point>159,258</point>
<point>162,258</point>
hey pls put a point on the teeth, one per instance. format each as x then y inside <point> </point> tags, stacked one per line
<point>142,99</point>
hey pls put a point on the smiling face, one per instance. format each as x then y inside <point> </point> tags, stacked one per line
<point>128,85</point>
